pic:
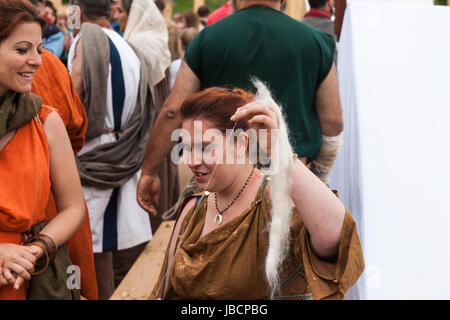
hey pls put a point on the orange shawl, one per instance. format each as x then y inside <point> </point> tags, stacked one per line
<point>30,186</point>
<point>53,83</point>
<point>25,188</point>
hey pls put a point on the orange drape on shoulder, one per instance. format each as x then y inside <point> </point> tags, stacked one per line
<point>53,83</point>
<point>80,244</point>
<point>24,189</point>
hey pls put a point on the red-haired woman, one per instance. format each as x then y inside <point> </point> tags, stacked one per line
<point>36,158</point>
<point>248,235</point>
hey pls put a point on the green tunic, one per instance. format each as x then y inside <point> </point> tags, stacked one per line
<point>289,56</point>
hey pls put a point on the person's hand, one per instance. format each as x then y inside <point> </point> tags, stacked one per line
<point>259,116</point>
<point>18,261</point>
<point>148,189</point>
<point>19,281</point>
<point>37,252</point>
<point>3,281</point>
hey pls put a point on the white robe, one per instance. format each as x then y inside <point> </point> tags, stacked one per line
<point>133,223</point>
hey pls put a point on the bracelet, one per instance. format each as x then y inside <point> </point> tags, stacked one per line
<point>46,246</point>
<point>47,259</point>
<point>48,242</point>
<point>294,157</point>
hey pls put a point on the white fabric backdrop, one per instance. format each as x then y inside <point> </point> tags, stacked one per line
<point>393,170</point>
<point>429,2</point>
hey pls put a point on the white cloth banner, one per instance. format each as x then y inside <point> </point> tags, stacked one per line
<point>429,2</point>
<point>393,170</point>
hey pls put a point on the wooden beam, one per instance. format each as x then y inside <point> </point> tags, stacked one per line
<point>140,280</point>
<point>58,4</point>
<point>296,9</point>
<point>340,6</point>
<point>168,9</point>
<point>198,4</point>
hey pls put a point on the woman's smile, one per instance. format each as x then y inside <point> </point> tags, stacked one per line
<point>26,76</point>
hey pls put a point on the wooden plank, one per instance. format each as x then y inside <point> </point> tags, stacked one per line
<point>140,280</point>
<point>340,6</point>
<point>296,9</point>
<point>58,4</point>
<point>168,10</point>
<point>198,4</point>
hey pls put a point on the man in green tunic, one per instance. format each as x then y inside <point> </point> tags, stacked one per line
<point>293,59</point>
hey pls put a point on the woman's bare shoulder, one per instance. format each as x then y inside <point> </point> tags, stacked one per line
<point>54,126</point>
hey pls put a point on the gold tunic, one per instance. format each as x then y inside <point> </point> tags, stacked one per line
<point>229,262</point>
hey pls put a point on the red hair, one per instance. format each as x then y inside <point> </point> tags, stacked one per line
<point>217,105</point>
<point>15,12</point>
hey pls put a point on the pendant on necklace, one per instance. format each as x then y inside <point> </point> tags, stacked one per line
<point>218,219</point>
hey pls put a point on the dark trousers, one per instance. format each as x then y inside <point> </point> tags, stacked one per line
<point>112,267</point>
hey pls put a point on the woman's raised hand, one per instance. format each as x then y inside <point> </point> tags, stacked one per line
<point>260,117</point>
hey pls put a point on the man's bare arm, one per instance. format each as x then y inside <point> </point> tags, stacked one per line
<point>329,113</point>
<point>159,144</point>
<point>328,105</point>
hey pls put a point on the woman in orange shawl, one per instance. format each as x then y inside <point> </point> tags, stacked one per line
<point>35,156</point>
<point>53,83</point>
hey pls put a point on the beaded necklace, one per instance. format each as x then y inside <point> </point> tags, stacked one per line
<point>219,218</point>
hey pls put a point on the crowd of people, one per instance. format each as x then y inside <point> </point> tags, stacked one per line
<point>87,117</point>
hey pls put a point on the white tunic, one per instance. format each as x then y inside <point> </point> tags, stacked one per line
<point>133,223</point>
